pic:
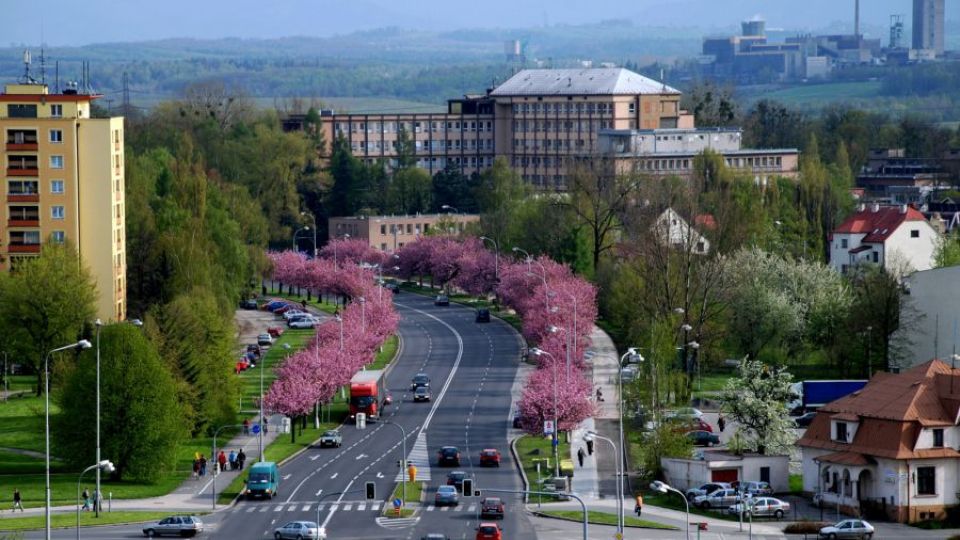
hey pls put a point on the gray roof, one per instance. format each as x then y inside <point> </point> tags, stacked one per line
<point>599,81</point>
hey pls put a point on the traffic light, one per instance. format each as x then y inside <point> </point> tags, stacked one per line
<point>468,487</point>
<point>371,490</point>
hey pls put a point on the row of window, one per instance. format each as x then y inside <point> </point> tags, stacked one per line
<point>565,126</point>
<point>32,238</point>
<point>559,181</point>
<point>32,187</point>
<point>589,108</point>
<point>32,213</point>
<point>22,110</point>
<point>547,144</point>
<point>420,146</point>
<point>414,127</point>
<point>31,162</point>
<point>26,136</point>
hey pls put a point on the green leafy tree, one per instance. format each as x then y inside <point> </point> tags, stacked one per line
<point>948,251</point>
<point>450,186</point>
<point>346,194</point>
<point>500,194</point>
<point>406,150</point>
<point>757,400</point>
<point>410,191</point>
<point>141,419</point>
<point>662,442</point>
<point>47,300</point>
<point>599,200</point>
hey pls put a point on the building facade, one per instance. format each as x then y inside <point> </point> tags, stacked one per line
<point>64,182</point>
<point>390,233</point>
<point>895,237</point>
<point>928,25</point>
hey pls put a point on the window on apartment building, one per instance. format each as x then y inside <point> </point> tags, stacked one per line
<point>56,110</point>
<point>843,243</point>
<point>876,256</point>
<point>56,162</point>
<point>56,212</point>
<point>632,108</point>
<point>21,111</point>
<point>409,228</point>
<point>841,432</point>
<point>58,236</point>
<point>938,438</point>
<point>56,136</point>
<point>915,233</point>
<point>926,480</point>
<point>56,186</point>
<point>383,229</point>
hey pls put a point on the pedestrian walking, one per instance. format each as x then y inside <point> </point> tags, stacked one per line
<point>639,507</point>
<point>203,466</point>
<point>241,457</point>
<point>86,500</point>
<point>721,423</point>
<point>196,468</point>
<point>266,421</point>
<point>590,446</point>
<point>17,500</point>
<point>233,460</point>
<point>95,499</point>
<point>246,426</point>
<point>580,455</point>
<point>222,461</point>
<point>599,394</point>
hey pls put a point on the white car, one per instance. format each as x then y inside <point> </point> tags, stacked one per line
<point>848,528</point>
<point>706,489</point>
<point>287,315</point>
<point>300,530</point>
<point>306,322</point>
<point>721,498</point>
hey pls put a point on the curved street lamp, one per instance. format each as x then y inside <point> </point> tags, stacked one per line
<point>663,487</point>
<point>105,466</point>
<point>556,420</point>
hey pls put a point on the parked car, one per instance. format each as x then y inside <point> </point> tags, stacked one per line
<point>264,340</point>
<point>282,310</point>
<point>685,412</point>
<point>248,304</point>
<point>490,457</point>
<point>255,349</point>
<point>483,315</point>
<point>435,536</point>
<point>299,530</point>
<point>848,528</point>
<point>761,507</point>
<point>448,456</point>
<point>421,393</point>
<point>331,437</point>
<point>175,526</point>
<point>441,300</point>
<point>491,507</point>
<point>446,496</point>
<point>420,379</point>
<point>275,331</point>
<point>516,421</point>
<point>804,420</point>
<point>755,488</point>
<point>305,322</point>
<point>455,479</point>
<point>392,287</point>
<point>703,438</point>
<point>489,531</point>
<point>291,313</point>
<point>721,498</point>
<point>706,489</point>
<point>683,424</point>
<point>273,305</point>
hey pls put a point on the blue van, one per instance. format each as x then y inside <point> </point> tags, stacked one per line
<point>263,480</point>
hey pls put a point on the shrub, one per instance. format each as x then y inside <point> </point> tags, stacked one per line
<point>804,527</point>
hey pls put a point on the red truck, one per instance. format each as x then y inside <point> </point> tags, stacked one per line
<point>367,394</point>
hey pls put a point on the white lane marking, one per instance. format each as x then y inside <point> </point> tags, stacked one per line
<point>334,475</point>
<point>375,506</point>
<point>314,457</point>
<point>362,506</point>
<point>319,492</point>
<point>379,475</point>
<point>287,476</point>
<point>333,508</point>
<point>278,509</point>
<point>361,456</point>
<point>347,507</point>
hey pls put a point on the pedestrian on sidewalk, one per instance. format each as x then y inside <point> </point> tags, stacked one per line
<point>222,461</point>
<point>86,500</point>
<point>17,500</point>
<point>95,499</point>
<point>203,466</point>
<point>241,457</point>
<point>246,426</point>
<point>266,421</point>
<point>721,422</point>
<point>599,394</point>
<point>590,446</point>
<point>233,460</point>
<point>639,507</point>
<point>580,456</point>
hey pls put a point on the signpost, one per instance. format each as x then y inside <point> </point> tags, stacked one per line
<point>548,427</point>
<point>255,429</point>
<point>397,503</point>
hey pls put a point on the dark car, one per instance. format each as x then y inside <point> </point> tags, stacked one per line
<point>255,349</point>
<point>441,300</point>
<point>516,421</point>
<point>448,456</point>
<point>703,438</point>
<point>435,536</point>
<point>248,304</point>
<point>420,379</point>
<point>455,479</point>
<point>392,287</point>
<point>483,315</point>
<point>805,420</point>
<point>421,393</point>
<point>491,507</point>
<point>490,457</point>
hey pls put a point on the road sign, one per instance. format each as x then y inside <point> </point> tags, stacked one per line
<point>255,429</point>
<point>548,427</point>
<point>556,441</point>
<point>397,503</point>
<point>618,536</point>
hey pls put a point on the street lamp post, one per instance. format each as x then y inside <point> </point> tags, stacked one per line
<point>363,314</point>
<point>632,351</point>
<point>496,257</point>
<point>662,487</point>
<point>591,435</point>
<point>312,216</point>
<point>96,500</point>
<point>297,232</point>
<point>526,255</point>
<point>556,420</point>
<point>566,346</point>
<point>105,465</point>
<point>82,344</point>
<point>403,459</point>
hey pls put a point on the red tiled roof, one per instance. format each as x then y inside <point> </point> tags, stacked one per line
<point>847,458</point>
<point>706,221</point>
<point>880,224</point>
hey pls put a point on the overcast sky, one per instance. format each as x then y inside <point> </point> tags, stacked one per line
<point>67,22</point>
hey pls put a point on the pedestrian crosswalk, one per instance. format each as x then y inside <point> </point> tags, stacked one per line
<point>397,523</point>
<point>345,506</point>
<point>420,457</point>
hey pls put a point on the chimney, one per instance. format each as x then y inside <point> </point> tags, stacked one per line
<point>875,207</point>
<point>861,207</point>
<point>903,209</point>
<point>856,18</point>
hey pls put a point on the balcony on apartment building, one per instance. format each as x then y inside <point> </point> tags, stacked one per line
<point>22,166</point>
<point>23,191</point>
<point>24,242</point>
<point>22,140</point>
<point>24,216</point>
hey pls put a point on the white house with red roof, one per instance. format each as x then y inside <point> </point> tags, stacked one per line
<point>896,237</point>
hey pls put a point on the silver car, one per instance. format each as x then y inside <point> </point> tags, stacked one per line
<point>761,507</point>
<point>721,498</point>
<point>756,488</point>
<point>299,530</point>
<point>174,526</point>
<point>331,437</point>
<point>848,528</point>
<point>706,489</point>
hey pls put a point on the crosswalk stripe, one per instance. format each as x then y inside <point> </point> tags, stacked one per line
<point>292,508</point>
<point>362,506</point>
<point>306,507</point>
<point>264,509</point>
<point>444,508</point>
<point>431,508</point>
<point>472,508</point>
<point>347,507</point>
<point>375,506</point>
<point>251,509</point>
<point>278,509</point>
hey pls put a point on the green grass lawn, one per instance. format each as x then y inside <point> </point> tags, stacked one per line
<point>816,95</point>
<point>531,448</point>
<point>414,491</point>
<point>796,483</point>
<point>605,518</point>
<point>21,422</point>
<point>86,520</point>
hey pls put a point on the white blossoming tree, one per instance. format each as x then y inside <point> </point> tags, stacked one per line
<point>757,400</point>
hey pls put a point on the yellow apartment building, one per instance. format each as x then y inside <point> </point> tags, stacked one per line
<point>390,233</point>
<point>64,182</point>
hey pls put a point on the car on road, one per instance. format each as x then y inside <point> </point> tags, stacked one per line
<point>706,489</point>
<point>761,507</point>
<point>248,304</point>
<point>435,536</point>
<point>455,479</point>
<point>755,488</point>
<point>489,531</point>
<point>331,437</point>
<point>489,457</point>
<point>420,379</point>
<point>448,456</point>
<point>421,393</point>
<point>483,315</point>
<point>392,287</point>
<point>441,300</point>
<point>174,526</point>
<point>491,507</point>
<point>264,340</point>
<point>275,331</point>
<point>848,528</point>
<point>255,349</point>
<point>446,496</point>
<point>517,423</point>
<point>721,498</point>
<point>703,438</point>
<point>299,530</point>
<point>805,419</point>
<point>305,322</point>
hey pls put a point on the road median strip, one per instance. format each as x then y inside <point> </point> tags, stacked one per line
<point>595,517</point>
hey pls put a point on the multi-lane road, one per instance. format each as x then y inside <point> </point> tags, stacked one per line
<point>472,367</point>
